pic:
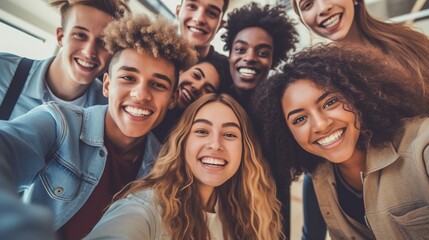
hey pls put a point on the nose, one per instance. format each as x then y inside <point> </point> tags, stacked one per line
<point>321,122</point>
<point>90,49</point>
<point>199,16</point>
<point>215,143</point>
<point>250,56</point>
<point>324,7</point>
<point>141,93</point>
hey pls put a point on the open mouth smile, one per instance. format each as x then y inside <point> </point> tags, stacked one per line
<point>329,140</point>
<point>138,112</point>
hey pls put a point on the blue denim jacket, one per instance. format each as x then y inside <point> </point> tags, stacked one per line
<point>56,155</point>
<point>35,92</point>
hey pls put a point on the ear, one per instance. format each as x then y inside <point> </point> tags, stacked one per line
<point>221,25</point>
<point>178,10</point>
<point>106,83</point>
<point>60,35</point>
<point>173,99</point>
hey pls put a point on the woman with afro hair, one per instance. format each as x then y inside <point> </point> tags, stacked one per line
<point>354,124</point>
<point>258,39</point>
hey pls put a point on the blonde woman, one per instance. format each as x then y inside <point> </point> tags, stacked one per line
<point>210,181</point>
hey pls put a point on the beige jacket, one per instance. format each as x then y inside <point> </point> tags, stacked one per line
<point>395,189</point>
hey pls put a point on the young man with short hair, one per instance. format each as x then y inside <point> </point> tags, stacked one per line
<point>73,160</point>
<point>199,21</point>
<point>67,78</point>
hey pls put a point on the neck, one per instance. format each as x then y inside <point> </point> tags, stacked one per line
<point>352,168</point>
<point>129,148</point>
<point>208,196</point>
<point>355,37</point>
<point>60,84</point>
<point>202,51</point>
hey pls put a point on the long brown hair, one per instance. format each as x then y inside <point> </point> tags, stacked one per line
<point>408,47</point>
<point>248,206</point>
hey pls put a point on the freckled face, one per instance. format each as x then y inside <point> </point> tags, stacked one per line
<point>332,19</point>
<point>214,147</point>
<point>320,122</point>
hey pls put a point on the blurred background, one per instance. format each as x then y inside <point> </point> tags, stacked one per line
<point>27,28</point>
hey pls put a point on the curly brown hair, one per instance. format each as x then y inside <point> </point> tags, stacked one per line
<point>272,19</point>
<point>115,8</point>
<point>379,96</point>
<point>157,37</point>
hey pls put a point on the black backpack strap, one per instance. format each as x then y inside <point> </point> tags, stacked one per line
<point>15,88</point>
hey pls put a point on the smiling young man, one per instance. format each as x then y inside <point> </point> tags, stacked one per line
<point>199,21</point>
<point>67,78</point>
<point>87,155</point>
<point>258,39</point>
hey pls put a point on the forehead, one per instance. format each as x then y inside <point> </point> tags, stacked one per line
<point>254,36</point>
<point>143,63</point>
<point>208,3</point>
<point>217,113</point>
<point>301,92</point>
<point>88,17</point>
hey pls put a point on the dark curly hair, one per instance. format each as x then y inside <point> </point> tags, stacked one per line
<point>379,95</point>
<point>272,19</point>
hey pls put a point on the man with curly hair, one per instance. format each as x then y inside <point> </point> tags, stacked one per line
<point>258,39</point>
<point>67,78</point>
<point>73,160</point>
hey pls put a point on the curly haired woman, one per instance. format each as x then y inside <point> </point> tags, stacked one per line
<point>354,125</point>
<point>209,182</point>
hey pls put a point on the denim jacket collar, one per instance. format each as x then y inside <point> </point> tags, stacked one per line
<point>379,158</point>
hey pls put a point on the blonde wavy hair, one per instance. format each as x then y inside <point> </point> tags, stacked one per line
<point>248,206</point>
<point>156,37</point>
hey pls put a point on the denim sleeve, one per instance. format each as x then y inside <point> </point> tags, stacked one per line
<point>314,225</point>
<point>23,144</point>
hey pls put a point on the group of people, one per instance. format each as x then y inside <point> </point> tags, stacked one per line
<point>139,129</point>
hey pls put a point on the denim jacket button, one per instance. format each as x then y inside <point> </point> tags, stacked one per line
<point>101,153</point>
<point>58,191</point>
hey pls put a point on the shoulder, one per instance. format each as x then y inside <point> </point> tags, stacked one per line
<point>133,217</point>
<point>415,131</point>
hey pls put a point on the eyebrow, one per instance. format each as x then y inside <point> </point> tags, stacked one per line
<point>227,124</point>
<point>263,45</point>
<point>214,7</point>
<point>81,28</point>
<point>157,75</point>
<point>318,100</point>
<point>201,71</point>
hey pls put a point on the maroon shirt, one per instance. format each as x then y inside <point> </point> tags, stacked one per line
<point>117,173</point>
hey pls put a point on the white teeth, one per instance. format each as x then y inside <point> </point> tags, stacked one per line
<point>331,21</point>
<point>193,29</point>
<point>85,64</point>
<point>331,138</point>
<point>187,95</point>
<point>247,71</point>
<point>137,112</point>
<point>214,161</point>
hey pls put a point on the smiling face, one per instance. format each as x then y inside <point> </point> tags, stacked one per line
<point>320,122</point>
<point>251,58</point>
<point>332,19</point>
<point>200,79</point>
<point>83,56</point>
<point>199,20</point>
<point>214,146</point>
<point>140,90</point>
